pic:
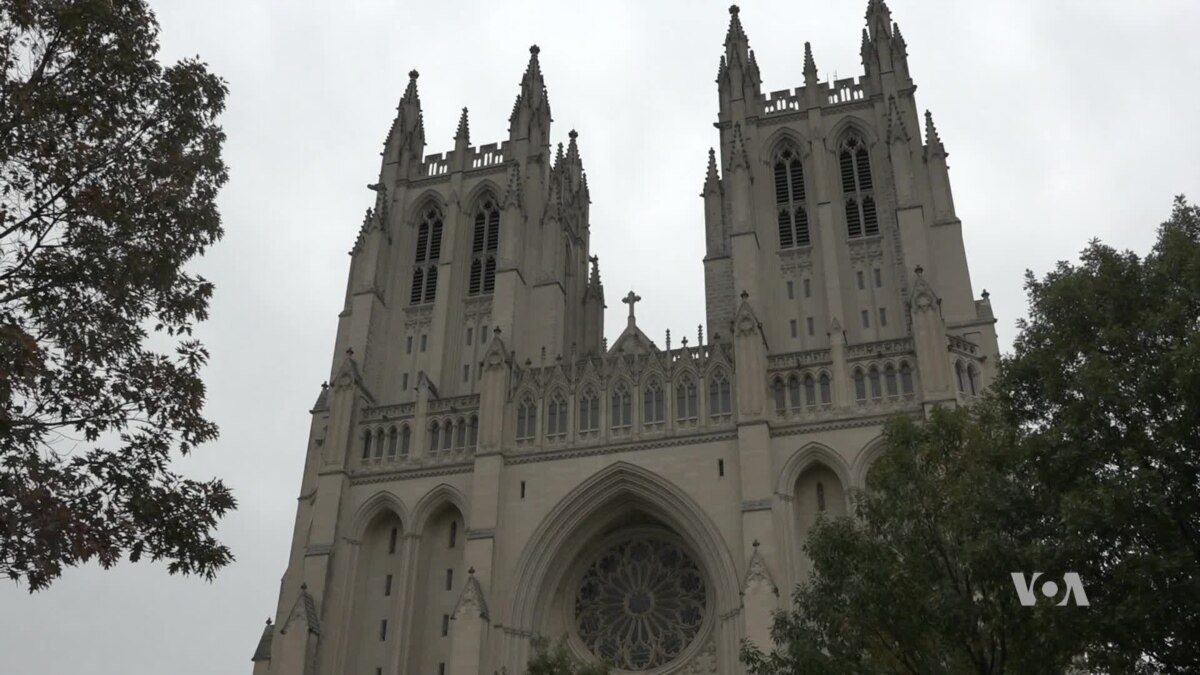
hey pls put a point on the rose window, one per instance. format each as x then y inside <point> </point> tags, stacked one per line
<point>640,604</point>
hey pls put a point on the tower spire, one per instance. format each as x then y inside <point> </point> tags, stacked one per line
<point>933,142</point>
<point>712,181</point>
<point>736,34</point>
<point>531,111</point>
<point>464,128</point>
<point>406,138</point>
<point>879,19</point>
<point>810,67</point>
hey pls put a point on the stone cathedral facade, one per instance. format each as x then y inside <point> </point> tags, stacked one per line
<point>484,467</point>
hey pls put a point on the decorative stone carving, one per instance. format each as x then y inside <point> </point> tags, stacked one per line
<point>471,599</point>
<point>640,604</point>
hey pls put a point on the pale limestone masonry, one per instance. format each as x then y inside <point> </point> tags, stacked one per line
<point>484,468</point>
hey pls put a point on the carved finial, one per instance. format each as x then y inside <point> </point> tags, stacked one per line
<point>745,295</point>
<point>304,586</point>
<point>528,361</point>
<point>716,337</point>
<point>734,9</point>
<point>755,544</point>
<point>471,570</point>
<point>268,621</point>
<point>349,351</point>
<point>572,134</point>
<point>712,179</point>
<point>700,334</point>
<point>986,295</point>
<point>684,341</point>
<point>413,74</point>
<point>919,270</point>
<point>464,128</point>
<point>810,66</point>
<point>325,385</point>
<point>605,343</point>
<point>668,339</point>
<point>534,49</point>
<point>496,331</point>
<point>933,141</point>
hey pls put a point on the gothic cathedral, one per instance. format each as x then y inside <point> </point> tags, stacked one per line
<point>484,467</point>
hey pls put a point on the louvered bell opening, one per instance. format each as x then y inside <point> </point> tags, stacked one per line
<point>781,183</point>
<point>493,229</point>
<point>489,275</point>
<point>480,226</point>
<point>853,219</point>
<point>422,242</point>
<point>785,230</point>
<point>431,284</point>
<point>863,166</point>
<point>797,179</point>
<point>435,241</point>
<point>870,218</point>
<point>476,277</point>
<point>802,236</point>
<point>847,165</point>
<point>417,286</point>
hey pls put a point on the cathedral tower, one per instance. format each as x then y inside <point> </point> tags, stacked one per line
<point>483,468</point>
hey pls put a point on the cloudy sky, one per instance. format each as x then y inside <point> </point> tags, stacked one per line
<point>1064,119</point>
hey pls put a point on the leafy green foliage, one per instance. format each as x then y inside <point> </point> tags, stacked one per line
<point>1085,459</point>
<point>109,167</point>
<point>1106,376</point>
<point>920,581</point>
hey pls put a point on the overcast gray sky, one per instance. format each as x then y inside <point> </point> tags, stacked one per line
<point>1064,119</point>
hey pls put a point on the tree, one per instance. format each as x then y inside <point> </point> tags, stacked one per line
<point>555,658</point>
<point>919,581</point>
<point>1106,376</point>
<point>1085,459</point>
<point>109,168</point>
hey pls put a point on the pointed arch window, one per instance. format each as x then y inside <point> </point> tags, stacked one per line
<point>405,441</point>
<point>621,410</point>
<point>720,395</point>
<point>826,389</point>
<point>379,444</point>
<point>653,403</point>
<point>862,219</point>
<point>889,379</point>
<point>780,395</point>
<point>460,434</point>
<point>485,243</point>
<point>794,392</point>
<point>860,385</point>
<point>429,252</point>
<point>556,417</point>
<point>473,432</point>
<point>958,373</point>
<point>435,437</point>
<point>589,411</point>
<point>393,441</point>
<point>876,389</point>
<point>972,378</point>
<point>366,453</point>
<point>790,204</point>
<point>906,378</point>
<point>686,407</point>
<point>820,496</point>
<point>810,391</point>
<point>526,419</point>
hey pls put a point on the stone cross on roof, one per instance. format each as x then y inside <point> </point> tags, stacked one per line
<point>631,300</point>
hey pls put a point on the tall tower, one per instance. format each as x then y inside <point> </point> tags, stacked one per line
<point>484,468</point>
